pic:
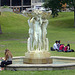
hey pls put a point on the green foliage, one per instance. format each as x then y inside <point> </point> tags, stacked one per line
<point>4,6</point>
<point>56,5</point>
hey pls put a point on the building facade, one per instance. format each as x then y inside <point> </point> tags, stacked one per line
<point>22,4</point>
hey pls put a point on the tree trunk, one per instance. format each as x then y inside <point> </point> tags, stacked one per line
<point>0,30</point>
<point>0,27</point>
<point>74,16</point>
<point>0,13</point>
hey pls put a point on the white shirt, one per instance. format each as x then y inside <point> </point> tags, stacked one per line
<point>55,46</point>
<point>9,58</point>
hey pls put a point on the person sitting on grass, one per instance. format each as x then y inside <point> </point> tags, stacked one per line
<point>8,59</point>
<point>58,44</point>
<point>55,47</point>
<point>61,48</point>
<point>67,48</point>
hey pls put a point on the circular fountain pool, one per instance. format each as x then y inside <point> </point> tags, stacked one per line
<point>55,61</point>
<point>59,63</point>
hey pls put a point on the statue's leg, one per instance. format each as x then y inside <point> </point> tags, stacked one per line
<point>47,44</point>
<point>31,40</point>
<point>35,42</point>
<point>39,42</point>
<point>44,41</point>
<point>28,44</point>
<point>33,45</point>
<point>40,45</point>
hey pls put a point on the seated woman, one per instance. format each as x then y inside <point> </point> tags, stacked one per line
<point>67,48</point>
<point>61,48</point>
<point>8,59</point>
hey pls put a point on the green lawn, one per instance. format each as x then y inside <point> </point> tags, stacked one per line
<point>15,34</point>
<point>58,72</point>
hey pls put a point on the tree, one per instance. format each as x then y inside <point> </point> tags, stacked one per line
<point>0,27</point>
<point>56,6</point>
<point>0,30</point>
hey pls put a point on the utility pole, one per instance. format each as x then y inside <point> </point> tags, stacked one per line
<point>22,4</point>
<point>10,3</point>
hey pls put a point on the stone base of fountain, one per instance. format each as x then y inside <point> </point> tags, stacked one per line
<point>37,57</point>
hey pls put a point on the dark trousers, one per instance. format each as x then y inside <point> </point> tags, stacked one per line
<point>52,49</point>
<point>4,63</point>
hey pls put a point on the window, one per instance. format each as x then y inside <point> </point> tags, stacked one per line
<point>26,2</point>
<point>16,2</point>
<point>5,2</point>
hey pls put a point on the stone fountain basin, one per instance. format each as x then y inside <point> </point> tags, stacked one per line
<point>59,63</point>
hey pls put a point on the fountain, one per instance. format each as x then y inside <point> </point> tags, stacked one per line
<point>37,57</point>
<point>37,42</point>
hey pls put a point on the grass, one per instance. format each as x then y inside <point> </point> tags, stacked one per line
<point>15,34</point>
<point>61,72</point>
<point>14,26</point>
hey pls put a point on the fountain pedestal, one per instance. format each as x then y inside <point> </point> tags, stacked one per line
<point>37,57</point>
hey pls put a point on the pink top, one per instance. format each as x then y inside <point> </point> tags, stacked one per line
<point>65,49</point>
<point>61,47</point>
